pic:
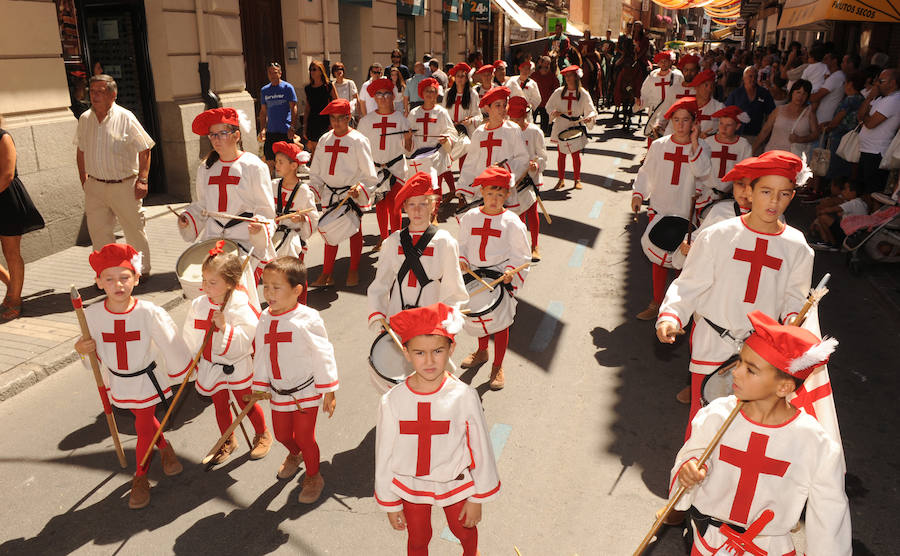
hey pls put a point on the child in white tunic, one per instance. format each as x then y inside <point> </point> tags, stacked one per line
<point>292,195</point>
<point>527,192</point>
<point>570,107</point>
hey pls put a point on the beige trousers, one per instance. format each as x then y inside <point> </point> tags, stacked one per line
<point>104,203</point>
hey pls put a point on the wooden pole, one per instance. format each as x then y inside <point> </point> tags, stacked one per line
<point>251,402</point>
<point>101,388</point>
<point>243,430</point>
<point>230,216</point>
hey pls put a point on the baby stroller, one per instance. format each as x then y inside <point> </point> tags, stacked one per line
<point>879,244</point>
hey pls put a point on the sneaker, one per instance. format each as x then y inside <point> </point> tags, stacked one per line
<point>475,359</point>
<point>497,380</point>
<point>290,466</point>
<point>262,443</point>
<point>170,464</point>
<point>140,493</point>
<point>577,184</point>
<point>312,489</point>
<point>650,313</point>
<point>225,450</point>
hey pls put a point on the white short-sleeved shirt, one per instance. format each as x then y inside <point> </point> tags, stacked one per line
<point>828,105</point>
<point>854,206</point>
<point>815,74</point>
<point>877,139</point>
<point>111,147</point>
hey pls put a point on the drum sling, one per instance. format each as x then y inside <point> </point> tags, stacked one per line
<point>412,262</point>
<point>232,222</point>
<point>722,332</point>
<point>350,202</point>
<point>148,370</point>
<point>386,172</point>
<point>283,228</point>
<point>574,119</point>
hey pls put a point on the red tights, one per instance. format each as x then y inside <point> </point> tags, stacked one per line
<point>501,340</point>
<point>297,432</point>
<point>356,241</point>
<point>387,213</point>
<point>533,222</point>
<point>451,183</point>
<point>660,275</point>
<point>576,165</point>
<point>145,425</point>
<point>418,525</point>
<point>223,411</point>
<point>696,404</point>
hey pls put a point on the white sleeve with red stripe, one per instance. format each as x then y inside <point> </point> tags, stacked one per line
<point>262,378</point>
<point>517,162</point>
<point>484,464</point>
<point>703,427</point>
<point>827,511</point>
<point>321,354</point>
<point>169,343</point>
<point>799,280</point>
<point>379,293</point>
<point>453,288</point>
<point>368,177</point>
<point>236,339</point>
<point>196,222</point>
<point>519,240</point>
<point>386,433</point>
<point>696,278</point>
<point>647,171</point>
<point>700,162</point>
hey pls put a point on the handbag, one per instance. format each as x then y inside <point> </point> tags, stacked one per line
<point>800,149</point>
<point>848,148</point>
<point>821,157</point>
<point>891,158</point>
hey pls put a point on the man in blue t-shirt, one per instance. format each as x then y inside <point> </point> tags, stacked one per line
<point>277,112</point>
<point>756,101</point>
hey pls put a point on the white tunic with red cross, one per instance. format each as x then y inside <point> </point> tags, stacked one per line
<point>657,92</point>
<point>719,211</point>
<point>341,162</point>
<point>537,151</point>
<point>433,448</point>
<point>292,349</point>
<point>670,176</point>
<point>708,124</point>
<point>440,261</point>
<point>231,345</point>
<point>237,187</point>
<point>128,343</point>
<point>730,271</point>
<point>763,467</point>
<point>573,104</point>
<point>385,148</point>
<point>458,112</point>
<point>429,127</point>
<point>292,244</point>
<point>489,147</point>
<point>723,156</point>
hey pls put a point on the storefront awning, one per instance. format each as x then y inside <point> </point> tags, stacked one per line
<point>518,15</point>
<point>816,14</point>
<point>572,31</point>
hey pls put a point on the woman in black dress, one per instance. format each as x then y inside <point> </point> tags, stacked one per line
<point>17,216</point>
<point>319,92</point>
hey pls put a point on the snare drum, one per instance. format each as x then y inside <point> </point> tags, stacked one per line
<point>489,312</point>
<point>386,362</point>
<point>662,238</point>
<point>720,383</point>
<point>572,140</point>
<point>189,265</point>
<point>460,143</point>
<point>426,158</point>
<point>339,225</point>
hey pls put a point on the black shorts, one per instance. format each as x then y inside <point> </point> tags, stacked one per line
<point>271,139</point>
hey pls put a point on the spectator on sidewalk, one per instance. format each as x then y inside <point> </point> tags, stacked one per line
<point>438,73</point>
<point>817,69</point>
<point>401,100</point>
<point>396,58</point>
<point>844,120</point>
<point>277,113</point>
<point>830,94</point>
<point>113,157</point>
<point>413,100</point>
<point>318,92</point>
<point>366,102</point>
<point>827,225</point>
<point>880,118</point>
<point>755,101</point>
<point>345,88</point>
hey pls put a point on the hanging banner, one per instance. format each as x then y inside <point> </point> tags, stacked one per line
<point>411,7</point>
<point>451,10</point>
<point>477,10</point>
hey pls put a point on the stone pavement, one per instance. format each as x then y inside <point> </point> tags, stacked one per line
<point>41,341</point>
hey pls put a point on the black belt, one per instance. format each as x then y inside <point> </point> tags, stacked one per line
<point>148,370</point>
<point>227,369</point>
<point>570,118</point>
<point>112,181</point>
<point>290,391</point>
<point>702,522</point>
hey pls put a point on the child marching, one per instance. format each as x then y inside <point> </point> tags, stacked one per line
<point>657,92</point>
<point>433,128</point>
<point>570,108</point>
<point>528,191</point>
<point>726,148</point>
<point>295,204</point>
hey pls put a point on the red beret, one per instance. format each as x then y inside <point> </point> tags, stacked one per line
<point>770,163</point>
<point>292,151</point>
<point>420,183</point>
<point>527,64</point>
<point>663,55</point>
<point>570,69</point>
<point>497,176</point>
<point>496,93</point>
<point>685,103</point>
<point>437,319</point>
<point>688,59</point>
<point>790,349</point>
<point>733,112</point>
<point>113,255</point>
<point>428,82</point>
<point>702,77</point>
<point>486,69</point>
<point>739,170</point>
<point>380,84</point>
<point>337,106</point>
<point>499,64</point>
<point>462,66</point>
<point>517,108</point>
<point>204,120</point>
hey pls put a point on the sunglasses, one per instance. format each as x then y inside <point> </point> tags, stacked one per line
<point>219,135</point>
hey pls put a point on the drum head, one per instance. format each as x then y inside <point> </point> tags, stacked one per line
<point>388,367</point>
<point>571,134</point>
<point>668,233</point>
<point>188,267</point>
<point>719,384</point>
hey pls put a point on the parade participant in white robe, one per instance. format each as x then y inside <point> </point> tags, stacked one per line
<point>529,87</point>
<point>752,262</point>
<point>689,67</point>
<point>669,179</point>
<point>484,81</point>
<point>230,182</point>
<point>526,197</point>
<point>773,462</point>
<point>570,107</point>
<point>727,149</point>
<point>432,128</point>
<point>704,84</point>
<point>419,264</point>
<point>342,166</point>
<point>382,128</point>
<point>292,195</point>
<point>511,82</point>
<point>493,243</point>
<point>657,94</point>
<point>461,102</point>
<point>128,335</point>
<point>452,465</point>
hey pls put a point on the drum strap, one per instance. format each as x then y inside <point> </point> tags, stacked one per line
<point>390,163</point>
<point>737,209</point>
<point>570,118</point>
<point>488,274</point>
<point>283,228</point>
<point>148,370</point>
<point>722,332</point>
<point>232,222</point>
<point>290,391</point>
<point>349,205</point>
<point>702,522</point>
<point>412,262</point>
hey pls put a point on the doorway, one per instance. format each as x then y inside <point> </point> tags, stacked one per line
<point>406,39</point>
<point>262,38</point>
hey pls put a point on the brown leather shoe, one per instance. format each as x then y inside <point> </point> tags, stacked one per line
<point>352,278</point>
<point>312,489</point>
<point>650,313</point>
<point>497,380</point>
<point>322,281</point>
<point>170,464</point>
<point>262,443</point>
<point>577,184</point>
<point>684,396</point>
<point>559,185</point>
<point>475,359</point>
<point>290,466</point>
<point>140,493</point>
<point>225,451</point>
<point>535,255</point>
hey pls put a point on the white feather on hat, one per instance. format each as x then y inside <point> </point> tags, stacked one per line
<point>244,121</point>
<point>454,321</point>
<point>814,356</point>
<point>804,174</point>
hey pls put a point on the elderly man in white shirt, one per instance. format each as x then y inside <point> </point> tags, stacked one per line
<point>113,157</point>
<point>880,119</point>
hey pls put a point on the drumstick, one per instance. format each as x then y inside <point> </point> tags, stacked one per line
<point>346,197</point>
<point>500,279</point>
<point>229,216</point>
<point>544,210</point>
<point>480,279</point>
<point>175,212</point>
<point>290,214</point>
<point>391,333</point>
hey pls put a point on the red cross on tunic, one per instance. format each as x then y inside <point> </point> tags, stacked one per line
<point>806,398</point>
<point>204,324</point>
<point>273,338</point>
<point>724,156</point>
<point>569,97</point>
<point>425,120</point>
<point>223,180</point>
<point>481,320</point>
<point>424,428</point>
<point>662,87</point>
<point>678,158</point>
<point>752,463</point>
<point>486,232</point>
<point>121,338</point>
<point>686,93</point>
<point>383,126</point>
<point>489,144</point>
<point>335,150</point>
<point>701,117</point>
<point>758,258</point>
<point>456,104</point>
<point>415,165</point>
<point>429,251</point>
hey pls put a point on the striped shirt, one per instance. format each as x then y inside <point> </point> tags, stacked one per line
<point>111,147</point>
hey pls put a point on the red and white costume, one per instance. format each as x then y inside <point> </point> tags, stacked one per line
<point>291,237</point>
<point>537,151</point>
<point>723,156</point>
<point>340,163</point>
<point>458,112</point>
<point>429,126</point>
<point>531,92</point>
<point>658,92</point>
<point>389,157</point>
<point>490,146</point>
<point>758,467</point>
<point>708,124</point>
<point>574,107</point>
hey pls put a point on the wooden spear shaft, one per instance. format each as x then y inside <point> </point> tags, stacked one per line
<point>295,213</point>
<point>243,430</point>
<point>101,388</point>
<point>251,402</point>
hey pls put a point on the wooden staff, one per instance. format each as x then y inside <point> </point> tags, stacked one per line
<point>391,333</point>
<point>500,279</point>
<point>101,388</point>
<point>544,209</point>
<point>295,213</point>
<point>187,376</point>
<point>229,216</point>
<point>480,279</point>
<point>815,296</point>
<point>251,402</point>
<point>243,430</point>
